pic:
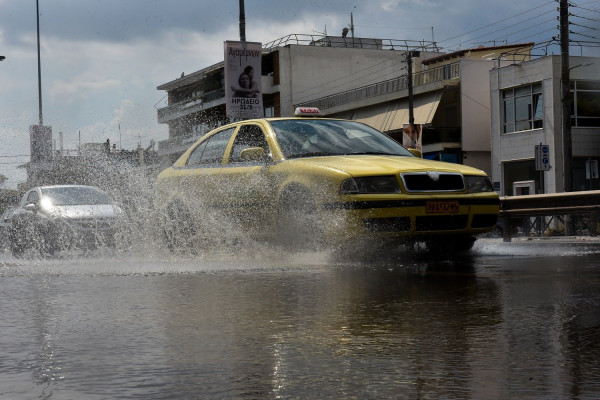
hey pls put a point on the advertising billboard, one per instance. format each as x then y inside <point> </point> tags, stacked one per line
<point>243,94</point>
<point>411,136</point>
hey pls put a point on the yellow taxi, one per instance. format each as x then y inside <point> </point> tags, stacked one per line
<point>310,181</point>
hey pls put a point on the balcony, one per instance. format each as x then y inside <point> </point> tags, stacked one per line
<point>439,74</point>
<point>190,106</point>
<point>177,145</point>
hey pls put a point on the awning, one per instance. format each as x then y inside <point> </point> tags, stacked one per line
<point>375,116</point>
<point>393,116</point>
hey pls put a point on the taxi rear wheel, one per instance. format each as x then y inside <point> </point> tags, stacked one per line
<point>178,230</point>
<point>300,227</point>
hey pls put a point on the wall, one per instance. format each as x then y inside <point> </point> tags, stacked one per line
<point>475,105</point>
<point>312,72</point>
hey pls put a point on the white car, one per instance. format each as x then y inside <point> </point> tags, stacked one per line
<point>61,217</point>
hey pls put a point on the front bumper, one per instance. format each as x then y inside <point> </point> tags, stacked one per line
<point>410,217</point>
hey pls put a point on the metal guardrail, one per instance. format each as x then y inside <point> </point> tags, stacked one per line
<point>516,208</point>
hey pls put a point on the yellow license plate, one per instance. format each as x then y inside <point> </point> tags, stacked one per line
<point>442,207</point>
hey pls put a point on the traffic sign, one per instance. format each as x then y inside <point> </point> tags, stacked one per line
<point>542,157</point>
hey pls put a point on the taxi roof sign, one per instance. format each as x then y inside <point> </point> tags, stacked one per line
<point>307,112</point>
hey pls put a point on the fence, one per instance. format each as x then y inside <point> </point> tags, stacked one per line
<point>531,212</point>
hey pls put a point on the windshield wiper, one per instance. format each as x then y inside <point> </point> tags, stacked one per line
<point>371,153</point>
<point>314,154</point>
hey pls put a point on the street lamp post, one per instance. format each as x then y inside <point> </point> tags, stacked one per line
<point>242,22</point>
<point>37,8</point>
<point>40,136</point>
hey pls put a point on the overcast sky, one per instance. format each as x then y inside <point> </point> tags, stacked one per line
<point>101,60</point>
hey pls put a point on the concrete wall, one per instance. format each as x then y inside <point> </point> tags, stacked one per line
<point>312,72</point>
<point>475,105</point>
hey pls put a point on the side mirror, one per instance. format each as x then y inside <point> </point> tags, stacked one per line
<point>416,152</point>
<point>252,154</point>
<point>31,207</point>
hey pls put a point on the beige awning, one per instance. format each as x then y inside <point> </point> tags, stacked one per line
<point>394,115</point>
<point>374,116</point>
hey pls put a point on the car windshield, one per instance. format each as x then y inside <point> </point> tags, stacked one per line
<point>309,138</point>
<point>68,196</point>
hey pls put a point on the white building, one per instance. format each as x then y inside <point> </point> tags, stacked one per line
<point>295,69</point>
<point>526,111</point>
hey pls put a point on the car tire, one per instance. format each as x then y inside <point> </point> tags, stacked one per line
<point>450,245</point>
<point>17,246</point>
<point>178,229</point>
<point>299,223</point>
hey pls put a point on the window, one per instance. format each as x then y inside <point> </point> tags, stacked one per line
<point>248,136</point>
<point>585,103</point>
<point>211,150</point>
<point>523,108</point>
<point>447,71</point>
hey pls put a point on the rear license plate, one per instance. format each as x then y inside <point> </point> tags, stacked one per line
<point>442,207</point>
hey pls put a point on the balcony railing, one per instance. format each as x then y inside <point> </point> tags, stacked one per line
<point>177,144</point>
<point>356,42</point>
<point>450,71</point>
<point>188,106</point>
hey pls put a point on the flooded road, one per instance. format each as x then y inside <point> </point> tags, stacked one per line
<point>514,320</point>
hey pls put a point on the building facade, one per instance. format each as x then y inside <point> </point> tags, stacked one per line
<point>296,69</point>
<point>526,111</point>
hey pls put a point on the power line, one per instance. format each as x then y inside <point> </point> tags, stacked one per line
<point>495,23</point>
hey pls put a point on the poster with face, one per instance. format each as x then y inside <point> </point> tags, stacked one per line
<point>411,136</point>
<point>243,94</point>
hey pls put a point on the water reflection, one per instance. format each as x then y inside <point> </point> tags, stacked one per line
<point>303,326</point>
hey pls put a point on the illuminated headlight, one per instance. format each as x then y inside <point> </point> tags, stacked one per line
<point>371,184</point>
<point>478,184</point>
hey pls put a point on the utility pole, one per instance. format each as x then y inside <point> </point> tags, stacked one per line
<point>411,116</point>
<point>242,22</point>
<point>352,28</point>
<point>565,97</point>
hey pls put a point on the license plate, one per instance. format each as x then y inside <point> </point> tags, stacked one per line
<point>442,207</point>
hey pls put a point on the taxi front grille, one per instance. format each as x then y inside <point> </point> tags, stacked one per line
<point>433,181</point>
<point>93,223</point>
<point>441,223</point>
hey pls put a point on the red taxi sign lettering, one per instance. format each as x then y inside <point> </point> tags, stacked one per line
<point>307,111</point>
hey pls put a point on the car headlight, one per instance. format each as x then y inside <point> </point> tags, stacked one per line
<point>478,184</point>
<point>371,184</point>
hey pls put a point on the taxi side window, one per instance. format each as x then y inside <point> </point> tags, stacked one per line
<point>211,150</point>
<point>248,136</point>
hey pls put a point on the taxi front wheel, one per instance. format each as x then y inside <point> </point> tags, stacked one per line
<point>300,227</point>
<point>178,230</point>
<point>450,244</point>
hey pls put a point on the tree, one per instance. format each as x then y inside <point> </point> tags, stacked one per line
<point>2,179</point>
